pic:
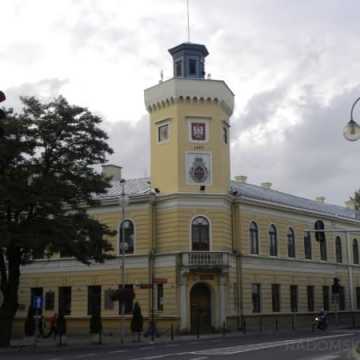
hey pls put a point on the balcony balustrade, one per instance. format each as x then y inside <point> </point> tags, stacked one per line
<point>205,259</point>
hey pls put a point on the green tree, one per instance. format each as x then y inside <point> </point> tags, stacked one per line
<point>356,200</point>
<point>47,180</point>
<point>137,320</point>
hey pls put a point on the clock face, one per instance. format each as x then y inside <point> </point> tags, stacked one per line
<point>198,168</point>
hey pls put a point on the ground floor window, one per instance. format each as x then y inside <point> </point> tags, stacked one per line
<point>36,298</point>
<point>342,298</point>
<point>275,295</point>
<point>65,300</point>
<point>128,299</point>
<point>49,300</point>
<point>94,300</point>
<point>159,297</point>
<point>326,302</point>
<point>108,300</point>
<point>293,298</point>
<point>358,297</point>
<point>310,297</point>
<point>256,298</point>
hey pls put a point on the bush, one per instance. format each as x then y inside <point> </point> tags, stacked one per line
<point>95,324</point>
<point>30,323</point>
<point>137,320</point>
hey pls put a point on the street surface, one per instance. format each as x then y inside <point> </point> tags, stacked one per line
<point>318,346</point>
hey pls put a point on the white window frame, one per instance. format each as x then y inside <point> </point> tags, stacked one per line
<point>158,126</point>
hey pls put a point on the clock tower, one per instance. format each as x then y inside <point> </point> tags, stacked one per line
<point>190,128</point>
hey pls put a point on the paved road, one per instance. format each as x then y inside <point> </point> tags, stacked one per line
<point>328,346</point>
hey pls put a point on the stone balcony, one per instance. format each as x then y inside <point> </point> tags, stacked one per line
<point>205,260</point>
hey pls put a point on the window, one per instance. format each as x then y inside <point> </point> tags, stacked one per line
<point>256,298</point>
<point>127,231</point>
<point>355,251</point>
<point>192,67</point>
<point>307,246</point>
<point>342,298</point>
<point>49,300</point>
<point>358,297</point>
<point>338,249</point>
<point>291,243</point>
<point>65,300</point>
<point>254,238</point>
<point>275,295</point>
<point>159,297</point>
<point>273,241</point>
<point>320,237</point>
<point>200,232</point>
<point>128,300</point>
<point>326,303</point>
<point>108,302</point>
<point>310,290</point>
<point>293,298</point>
<point>163,133</point>
<point>94,300</point>
<point>178,68</point>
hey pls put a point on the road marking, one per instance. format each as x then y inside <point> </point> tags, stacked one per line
<point>326,357</point>
<point>268,345</point>
<point>85,356</point>
<point>160,356</point>
<point>117,351</point>
<point>199,358</point>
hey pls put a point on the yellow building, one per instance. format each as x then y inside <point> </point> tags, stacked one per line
<point>202,248</point>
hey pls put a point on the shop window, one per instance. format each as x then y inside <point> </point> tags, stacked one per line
<point>293,298</point>
<point>65,300</point>
<point>275,297</point>
<point>94,300</point>
<point>326,297</point>
<point>310,298</point>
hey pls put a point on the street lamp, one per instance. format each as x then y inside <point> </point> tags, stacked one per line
<point>124,201</point>
<point>352,129</point>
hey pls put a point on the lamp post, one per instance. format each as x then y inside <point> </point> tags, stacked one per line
<point>352,129</point>
<point>123,247</point>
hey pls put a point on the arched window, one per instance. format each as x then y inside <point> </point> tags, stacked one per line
<point>126,237</point>
<point>320,237</point>
<point>273,240</point>
<point>338,249</point>
<point>355,251</point>
<point>200,234</point>
<point>254,238</point>
<point>291,243</point>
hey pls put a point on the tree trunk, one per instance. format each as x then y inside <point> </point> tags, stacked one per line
<point>6,321</point>
<point>10,291</point>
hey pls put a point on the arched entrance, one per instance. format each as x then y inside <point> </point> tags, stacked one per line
<point>200,302</point>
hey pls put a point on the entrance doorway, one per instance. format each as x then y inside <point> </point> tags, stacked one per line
<point>200,302</point>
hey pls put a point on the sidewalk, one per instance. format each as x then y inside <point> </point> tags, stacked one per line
<point>78,342</point>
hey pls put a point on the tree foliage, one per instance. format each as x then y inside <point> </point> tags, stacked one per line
<point>48,178</point>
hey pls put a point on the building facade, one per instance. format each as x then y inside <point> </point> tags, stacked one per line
<point>203,250</point>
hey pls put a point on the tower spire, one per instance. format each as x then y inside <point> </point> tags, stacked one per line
<point>188,20</point>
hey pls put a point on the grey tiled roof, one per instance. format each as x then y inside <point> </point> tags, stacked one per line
<point>132,187</point>
<point>142,186</point>
<point>269,195</point>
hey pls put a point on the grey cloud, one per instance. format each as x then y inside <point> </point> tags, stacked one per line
<point>314,159</point>
<point>46,88</point>
<point>130,142</point>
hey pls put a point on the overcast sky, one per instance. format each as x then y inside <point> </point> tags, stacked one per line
<point>294,67</point>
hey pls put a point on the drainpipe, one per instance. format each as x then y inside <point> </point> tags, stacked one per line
<point>350,272</point>
<point>235,216</point>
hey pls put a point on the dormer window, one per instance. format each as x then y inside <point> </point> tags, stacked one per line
<point>178,68</point>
